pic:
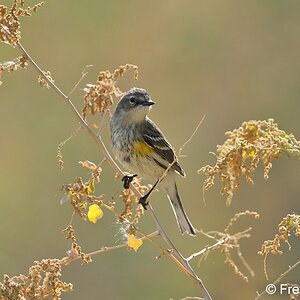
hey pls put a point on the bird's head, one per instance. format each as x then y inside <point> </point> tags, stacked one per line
<point>134,105</point>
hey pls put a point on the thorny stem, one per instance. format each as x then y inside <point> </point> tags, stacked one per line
<point>175,254</point>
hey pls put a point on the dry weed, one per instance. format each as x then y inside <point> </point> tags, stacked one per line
<point>244,148</point>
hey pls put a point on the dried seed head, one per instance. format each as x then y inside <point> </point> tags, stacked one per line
<point>288,225</point>
<point>98,97</point>
<point>239,156</point>
<point>10,20</point>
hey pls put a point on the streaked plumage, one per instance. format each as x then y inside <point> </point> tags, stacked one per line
<point>142,148</point>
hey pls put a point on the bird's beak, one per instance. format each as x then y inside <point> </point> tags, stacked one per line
<point>148,103</point>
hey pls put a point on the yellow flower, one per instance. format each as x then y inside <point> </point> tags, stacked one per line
<point>95,213</point>
<point>134,243</point>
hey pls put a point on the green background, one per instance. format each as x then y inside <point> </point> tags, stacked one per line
<point>232,61</point>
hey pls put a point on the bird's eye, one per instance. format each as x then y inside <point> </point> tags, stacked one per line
<point>132,100</point>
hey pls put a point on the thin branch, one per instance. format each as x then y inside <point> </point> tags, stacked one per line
<point>192,136</point>
<point>192,298</point>
<point>176,255</point>
<point>102,123</point>
<point>180,150</point>
<point>287,271</point>
<point>208,248</point>
<point>83,74</point>
<point>243,260</point>
<point>259,295</point>
<point>125,245</point>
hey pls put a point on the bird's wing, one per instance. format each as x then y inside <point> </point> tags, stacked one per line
<point>155,139</point>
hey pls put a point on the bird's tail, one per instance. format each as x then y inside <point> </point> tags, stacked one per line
<point>183,221</point>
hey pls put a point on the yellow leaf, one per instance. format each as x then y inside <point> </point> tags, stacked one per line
<point>95,213</point>
<point>251,153</point>
<point>91,187</point>
<point>134,243</point>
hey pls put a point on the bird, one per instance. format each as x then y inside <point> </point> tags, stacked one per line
<point>141,147</point>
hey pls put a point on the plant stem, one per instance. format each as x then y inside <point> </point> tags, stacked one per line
<point>259,295</point>
<point>175,254</point>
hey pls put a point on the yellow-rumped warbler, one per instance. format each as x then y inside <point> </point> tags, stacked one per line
<point>142,148</point>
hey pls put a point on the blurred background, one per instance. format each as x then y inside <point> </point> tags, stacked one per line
<point>231,61</point>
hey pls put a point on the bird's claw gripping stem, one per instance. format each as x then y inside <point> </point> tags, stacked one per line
<point>143,200</point>
<point>127,180</point>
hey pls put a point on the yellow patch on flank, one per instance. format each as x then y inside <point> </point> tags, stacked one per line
<point>142,148</point>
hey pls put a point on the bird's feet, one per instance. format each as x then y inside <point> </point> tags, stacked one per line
<point>127,179</point>
<point>143,201</point>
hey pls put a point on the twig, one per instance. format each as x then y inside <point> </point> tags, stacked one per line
<point>176,255</point>
<point>192,298</point>
<point>243,260</point>
<point>83,74</point>
<point>204,250</point>
<point>192,136</point>
<point>106,249</point>
<point>101,124</point>
<point>180,150</point>
<point>259,295</point>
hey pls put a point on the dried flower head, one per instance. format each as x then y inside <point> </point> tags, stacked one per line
<point>76,250</point>
<point>10,66</point>
<point>10,20</point>
<point>99,96</point>
<point>80,194</point>
<point>288,225</point>
<point>133,211</point>
<point>42,81</point>
<point>42,282</point>
<point>228,243</point>
<point>239,156</point>
<point>96,170</point>
<point>59,155</point>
